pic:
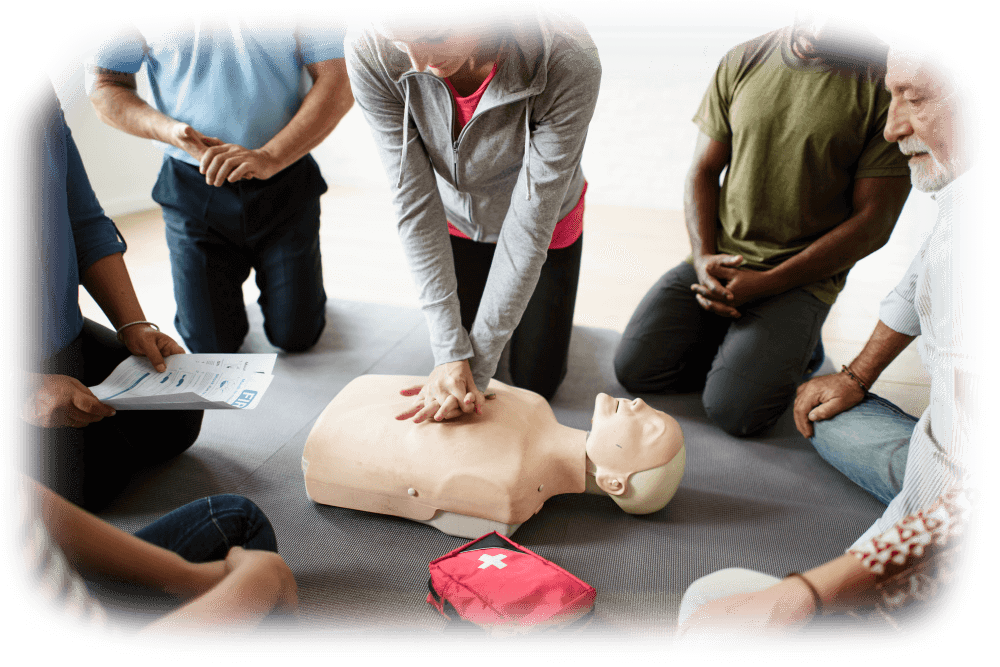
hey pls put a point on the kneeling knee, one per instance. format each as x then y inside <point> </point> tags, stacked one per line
<point>737,417</point>
<point>295,339</point>
<point>630,370</point>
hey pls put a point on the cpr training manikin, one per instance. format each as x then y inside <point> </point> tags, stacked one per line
<point>482,472</point>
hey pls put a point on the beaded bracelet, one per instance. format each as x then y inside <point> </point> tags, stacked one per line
<point>118,333</point>
<point>817,600</point>
<point>847,369</point>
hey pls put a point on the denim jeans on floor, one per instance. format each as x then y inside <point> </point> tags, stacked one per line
<point>869,443</point>
<point>204,530</point>
<point>201,531</point>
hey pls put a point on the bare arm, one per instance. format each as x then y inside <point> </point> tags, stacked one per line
<point>114,98</point>
<point>240,590</point>
<point>255,583</point>
<point>701,213</point>
<point>876,204</point>
<point>108,282</point>
<point>97,547</point>
<point>906,550</point>
<point>842,583</point>
<point>827,396</point>
<point>321,110</point>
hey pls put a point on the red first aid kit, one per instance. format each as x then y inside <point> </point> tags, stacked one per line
<point>506,588</point>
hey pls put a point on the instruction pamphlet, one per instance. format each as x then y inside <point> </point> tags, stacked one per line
<point>191,382</point>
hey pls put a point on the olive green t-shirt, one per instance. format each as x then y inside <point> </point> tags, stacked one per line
<point>800,135</point>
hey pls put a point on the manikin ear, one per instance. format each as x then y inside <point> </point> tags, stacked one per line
<point>613,485</point>
<point>649,490</point>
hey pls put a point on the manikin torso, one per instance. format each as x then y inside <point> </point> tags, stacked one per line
<point>465,476</point>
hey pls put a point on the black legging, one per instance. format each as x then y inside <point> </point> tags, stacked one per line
<point>90,466</point>
<point>539,347</point>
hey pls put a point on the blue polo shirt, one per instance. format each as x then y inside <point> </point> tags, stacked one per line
<point>240,80</point>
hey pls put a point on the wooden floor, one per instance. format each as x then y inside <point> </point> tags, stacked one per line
<point>625,252</point>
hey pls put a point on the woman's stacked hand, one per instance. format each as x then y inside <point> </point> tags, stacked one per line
<point>450,392</point>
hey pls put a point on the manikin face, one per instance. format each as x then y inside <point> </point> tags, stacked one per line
<point>922,120</point>
<point>628,437</point>
<point>441,52</point>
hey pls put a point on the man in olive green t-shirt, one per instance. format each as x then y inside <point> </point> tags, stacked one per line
<point>795,118</point>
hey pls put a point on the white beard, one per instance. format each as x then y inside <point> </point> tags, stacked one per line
<point>927,175</point>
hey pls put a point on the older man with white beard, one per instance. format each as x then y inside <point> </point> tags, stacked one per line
<point>861,434</point>
<point>913,465</point>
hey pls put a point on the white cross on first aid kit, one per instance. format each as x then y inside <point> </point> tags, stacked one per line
<point>496,561</point>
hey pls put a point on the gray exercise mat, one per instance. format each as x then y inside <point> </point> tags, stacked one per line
<point>768,503</point>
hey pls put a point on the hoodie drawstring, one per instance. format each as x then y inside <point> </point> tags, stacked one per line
<point>406,127</point>
<point>527,145</point>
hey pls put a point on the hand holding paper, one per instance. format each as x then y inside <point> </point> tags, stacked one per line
<point>190,382</point>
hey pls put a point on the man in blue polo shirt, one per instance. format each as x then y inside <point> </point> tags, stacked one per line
<point>238,187</point>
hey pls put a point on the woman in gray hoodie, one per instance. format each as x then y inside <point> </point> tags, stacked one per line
<point>481,125</point>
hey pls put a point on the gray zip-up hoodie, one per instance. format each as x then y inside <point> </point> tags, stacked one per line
<point>507,178</point>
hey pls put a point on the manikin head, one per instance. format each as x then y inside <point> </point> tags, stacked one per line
<point>635,453</point>
<point>924,120</point>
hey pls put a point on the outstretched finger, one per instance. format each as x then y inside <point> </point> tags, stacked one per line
<point>426,412</point>
<point>87,408</point>
<point>411,391</point>
<point>406,414</point>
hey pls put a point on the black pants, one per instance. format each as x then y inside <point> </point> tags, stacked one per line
<point>539,347</point>
<point>90,466</point>
<point>747,369</point>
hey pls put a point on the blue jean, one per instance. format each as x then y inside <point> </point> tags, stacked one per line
<point>748,369</point>
<point>205,530</point>
<point>201,531</point>
<point>869,443</point>
<point>216,235</point>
